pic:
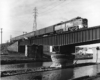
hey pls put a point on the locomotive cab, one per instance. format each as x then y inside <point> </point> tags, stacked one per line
<point>85,23</point>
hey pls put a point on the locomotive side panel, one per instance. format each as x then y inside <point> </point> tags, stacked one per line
<point>69,25</point>
<point>72,25</point>
<point>31,34</point>
<point>78,24</point>
<point>64,26</point>
<point>58,28</point>
<point>50,29</point>
<point>42,31</point>
<point>36,33</point>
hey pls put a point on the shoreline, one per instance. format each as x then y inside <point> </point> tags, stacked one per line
<point>19,58</point>
<point>29,60</point>
<point>4,62</point>
<point>41,69</point>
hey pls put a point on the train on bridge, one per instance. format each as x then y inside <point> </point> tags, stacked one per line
<point>71,25</point>
<point>67,26</point>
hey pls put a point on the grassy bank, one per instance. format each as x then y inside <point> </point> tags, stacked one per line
<point>13,58</point>
<point>3,48</point>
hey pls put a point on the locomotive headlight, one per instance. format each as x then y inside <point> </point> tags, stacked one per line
<point>80,26</point>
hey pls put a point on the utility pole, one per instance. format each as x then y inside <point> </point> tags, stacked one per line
<point>1,40</point>
<point>35,18</point>
<point>98,48</point>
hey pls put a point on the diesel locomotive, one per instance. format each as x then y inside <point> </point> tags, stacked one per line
<point>70,25</point>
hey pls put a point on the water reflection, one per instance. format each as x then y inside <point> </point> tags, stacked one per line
<point>46,64</point>
<point>20,66</point>
<point>37,78</point>
<point>31,65</point>
<point>86,70</point>
<point>63,74</point>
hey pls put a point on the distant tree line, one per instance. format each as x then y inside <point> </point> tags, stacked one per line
<point>3,47</point>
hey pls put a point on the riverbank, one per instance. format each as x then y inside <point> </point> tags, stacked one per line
<point>14,58</point>
<point>40,69</point>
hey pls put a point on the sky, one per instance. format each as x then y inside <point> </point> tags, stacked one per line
<point>17,16</point>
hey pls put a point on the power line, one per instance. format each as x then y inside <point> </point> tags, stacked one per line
<point>36,11</point>
<point>45,6</point>
<point>52,8</point>
<point>49,10</point>
<point>64,1</point>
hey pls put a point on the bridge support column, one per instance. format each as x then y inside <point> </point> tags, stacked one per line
<point>39,52</point>
<point>21,49</point>
<point>26,50</point>
<point>62,56</point>
<point>29,51</point>
<point>96,55</point>
<point>35,51</point>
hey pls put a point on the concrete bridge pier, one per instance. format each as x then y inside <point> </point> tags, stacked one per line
<point>21,49</point>
<point>63,56</point>
<point>34,51</point>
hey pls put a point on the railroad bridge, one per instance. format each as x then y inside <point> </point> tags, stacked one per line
<point>66,41</point>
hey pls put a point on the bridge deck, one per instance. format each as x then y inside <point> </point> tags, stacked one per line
<point>79,36</point>
<point>84,35</point>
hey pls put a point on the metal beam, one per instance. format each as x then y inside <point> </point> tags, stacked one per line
<point>67,38</point>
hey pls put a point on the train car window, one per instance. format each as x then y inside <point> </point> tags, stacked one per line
<point>85,22</point>
<point>63,27</point>
<point>66,27</point>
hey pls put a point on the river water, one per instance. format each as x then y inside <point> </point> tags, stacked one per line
<point>62,74</point>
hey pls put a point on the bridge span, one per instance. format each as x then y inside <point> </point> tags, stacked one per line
<point>67,40</point>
